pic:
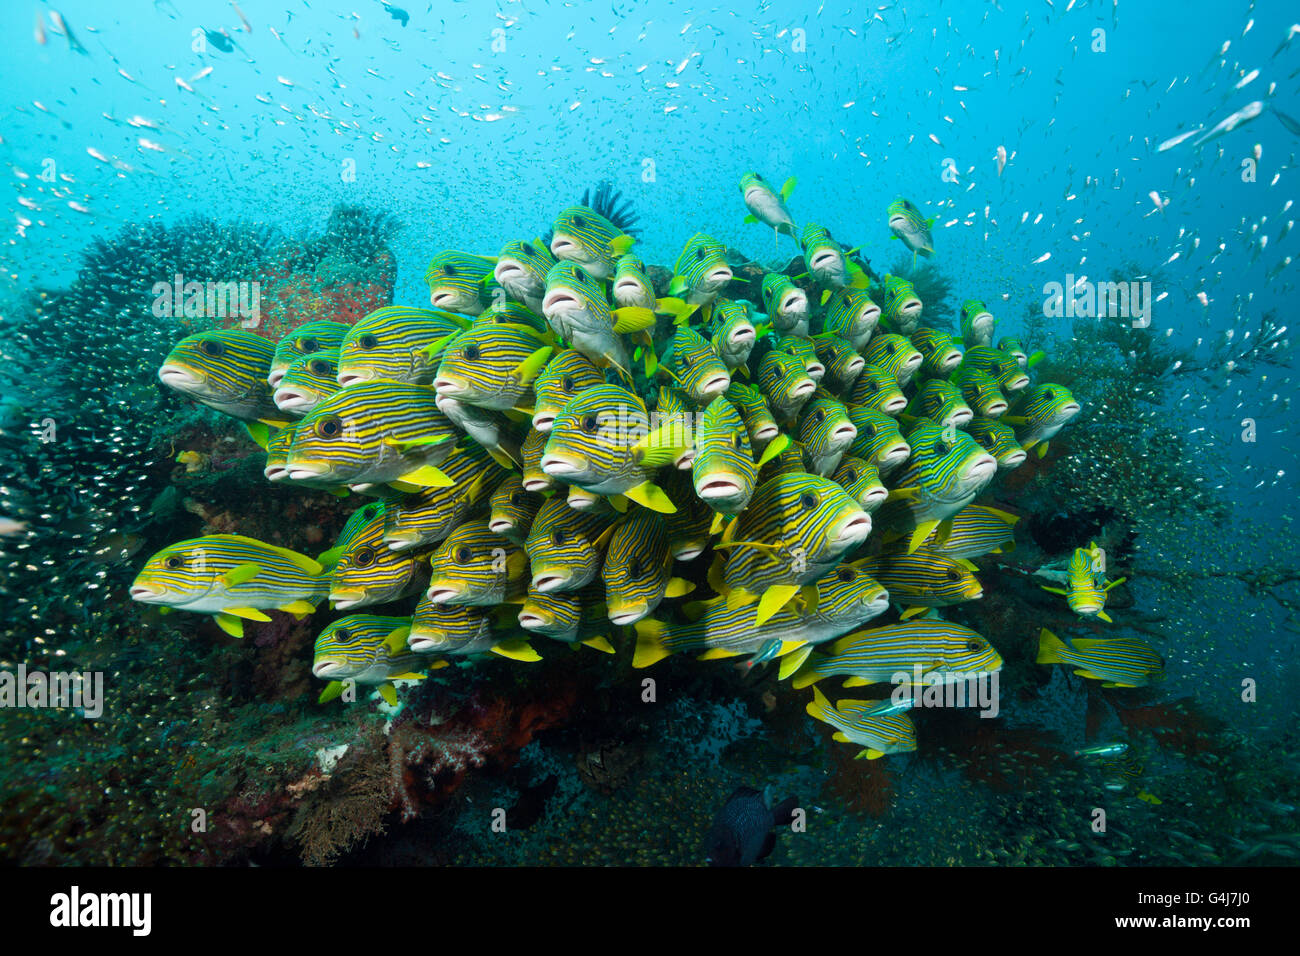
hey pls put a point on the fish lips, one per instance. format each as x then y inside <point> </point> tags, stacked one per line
<point>421,642</point>
<point>145,594</point>
<point>531,621</point>
<point>326,669</point>
<point>548,581</point>
<point>714,386</point>
<point>441,594</point>
<point>302,471</point>
<point>981,469</point>
<point>292,401</point>
<point>853,529</point>
<point>561,466</point>
<point>628,615</point>
<point>718,488</point>
<point>794,303</point>
<point>559,300</point>
<point>449,387</point>
<point>181,378</point>
<point>353,377</point>
<point>342,600</point>
<point>501,526</point>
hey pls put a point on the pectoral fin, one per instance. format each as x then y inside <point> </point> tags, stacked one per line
<point>773,599</point>
<point>649,495</point>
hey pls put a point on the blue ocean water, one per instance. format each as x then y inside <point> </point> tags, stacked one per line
<point>475,123</point>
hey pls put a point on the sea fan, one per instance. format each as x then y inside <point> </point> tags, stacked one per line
<point>606,201</point>
<point>933,287</point>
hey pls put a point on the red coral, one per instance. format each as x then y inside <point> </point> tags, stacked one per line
<point>1179,725</point>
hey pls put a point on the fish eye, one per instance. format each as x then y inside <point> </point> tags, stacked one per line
<point>589,424</point>
<point>517,498</point>
<point>367,341</point>
<point>528,249</point>
<point>472,352</point>
<point>972,645</point>
<point>319,368</point>
<point>952,575</point>
<point>449,270</point>
<point>808,501</point>
<point>567,384</point>
<point>307,346</point>
<point>870,429</point>
<point>364,558</point>
<point>819,416</point>
<point>369,513</point>
<point>941,448</point>
<point>736,441</point>
<point>463,555</point>
<point>1048,393</point>
<point>213,347</point>
<point>579,221</point>
<point>330,427</point>
<point>871,388</point>
<point>634,568</point>
<point>845,574</point>
<point>174,562</point>
<point>850,476</point>
<point>559,537</point>
<point>344,636</point>
<point>699,253</point>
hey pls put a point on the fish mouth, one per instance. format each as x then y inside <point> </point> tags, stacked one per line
<point>949,361</point>
<point>854,530</point>
<point>960,416</point>
<point>816,371</point>
<point>401,540</point>
<point>509,271</point>
<point>855,366</point>
<point>717,488</point>
<point>1013,460</point>
<point>342,600</point>
<point>276,377</point>
<point>688,552</point>
<point>448,387</point>
<point>628,616</point>
<point>275,472</point>
<point>352,378</point>
<point>565,247</point>
<point>896,455</point>
<point>766,433</point>
<point>287,400</point>
<point>443,300</point>
<point>874,498</point>
<point>627,285</point>
<point>420,643</point>
<point>981,468</point>
<point>823,260</point>
<point>995,409</point>
<point>719,276</point>
<point>558,466</point>
<point>846,432</point>
<point>531,621</point>
<point>440,595</point>
<point>897,221</point>
<point>686,460</point>
<point>795,302</point>
<point>1070,410</point>
<point>543,421</point>
<point>913,362</point>
<point>304,472</point>
<point>1017,383</point>
<point>547,582</point>
<point>806,387</point>
<point>559,301</point>
<point>326,669</point>
<point>742,335</point>
<point>141,592</point>
<point>536,484</point>
<point>911,307</point>
<point>182,379</point>
<point>894,406</point>
<point>715,386</point>
<point>501,526</point>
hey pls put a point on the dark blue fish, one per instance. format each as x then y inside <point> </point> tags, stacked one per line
<point>741,834</point>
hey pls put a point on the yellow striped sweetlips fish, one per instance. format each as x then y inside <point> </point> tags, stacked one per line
<point>825,432</point>
<point>565,546</point>
<point>512,509</point>
<point>913,229</point>
<point>521,269</point>
<point>841,360</point>
<point>923,579</point>
<point>701,271</point>
<point>895,354</point>
<point>794,531</point>
<point>695,366</point>
<point>367,649</point>
<point>878,725</point>
<point>675,406</point>
<point>877,388</point>
<point>940,402</point>
<point>460,281</point>
<point>940,353</point>
<point>823,256</point>
<point>600,443</point>
<point>786,304</point>
<point>374,433</point>
<point>803,348</point>
<point>576,308</point>
<point>785,383</point>
<point>307,382</point>
<point>530,470</point>
<point>495,433</point>
<point>632,287</point>
<point>492,366</point>
<point>459,630</point>
<point>1039,413</point>
<point>880,441</point>
<point>945,472</point>
<point>474,565</point>
<point>902,307</point>
<point>427,516</point>
<point>567,373</point>
<point>1085,589</point>
<point>637,569</point>
<point>587,239</point>
<point>367,572</point>
<point>1003,366</point>
<point>690,527</point>
<point>1117,662</point>
<point>306,341</point>
<point>846,599</point>
<point>731,333</point>
<point>393,343</point>
<point>766,204</point>
<point>225,369</point>
<point>977,324</point>
<point>757,416</point>
<point>999,440</point>
<point>975,531</point>
<point>511,313</point>
<point>937,649</point>
<point>724,472</point>
<point>230,577</point>
<point>981,392</point>
<point>861,480</point>
<point>572,617</point>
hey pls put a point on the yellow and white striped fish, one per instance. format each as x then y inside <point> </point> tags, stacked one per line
<point>393,343</point>
<point>876,724</point>
<point>941,649</point>
<point>474,565</point>
<point>225,369</point>
<point>367,649</point>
